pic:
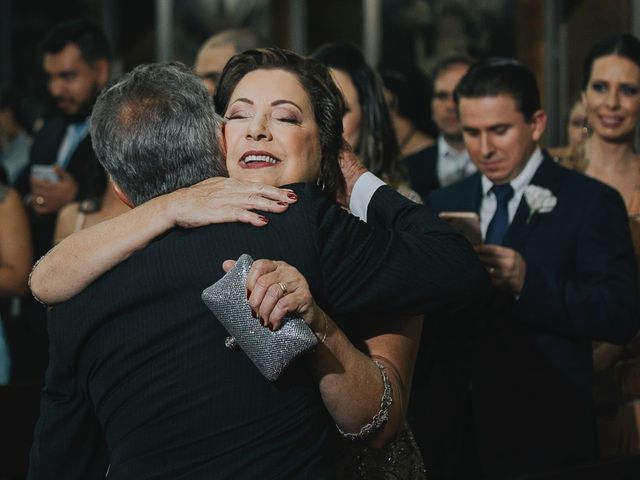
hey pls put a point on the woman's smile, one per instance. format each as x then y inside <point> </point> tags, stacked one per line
<point>270,134</point>
<point>258,159</point>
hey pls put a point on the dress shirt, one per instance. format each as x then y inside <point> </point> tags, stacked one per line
<point>75,133</point>
<point>15,156</point>
<point>363,190</point>
<point>452,165</point>
<point>489,203</point>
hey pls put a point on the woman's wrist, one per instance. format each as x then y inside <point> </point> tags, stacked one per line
<point>321,326</point>
<point>168,209</point>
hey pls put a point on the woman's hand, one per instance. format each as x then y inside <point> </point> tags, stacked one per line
<point>352,168</point>
<point>274,289</point>
<point>222,200</point>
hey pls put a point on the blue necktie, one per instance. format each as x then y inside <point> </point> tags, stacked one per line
<point>500,221</point>
<point>76,134</point>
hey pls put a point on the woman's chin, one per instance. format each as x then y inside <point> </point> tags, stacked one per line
<point>257,176</point>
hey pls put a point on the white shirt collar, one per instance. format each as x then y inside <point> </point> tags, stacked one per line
<point>523,179</point>
<point>445,149</point>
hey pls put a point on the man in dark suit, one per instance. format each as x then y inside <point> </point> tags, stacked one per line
<point>76,60</point>
<point>139,377</point>
<point>558,248</point>
<point>447,161</point>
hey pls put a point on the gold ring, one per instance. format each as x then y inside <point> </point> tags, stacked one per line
<point>283,287</point>
<point>39,200</point>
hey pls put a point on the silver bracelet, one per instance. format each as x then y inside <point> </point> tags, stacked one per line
<point>380,418</point>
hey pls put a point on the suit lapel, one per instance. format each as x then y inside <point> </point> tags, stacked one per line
<point>547,176</point>
<point>472,199</point>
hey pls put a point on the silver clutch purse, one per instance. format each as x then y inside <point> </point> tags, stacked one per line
<point>270,351</point>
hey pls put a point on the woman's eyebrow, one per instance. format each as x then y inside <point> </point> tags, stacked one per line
<point>243,100</point>
<point>280,102</point>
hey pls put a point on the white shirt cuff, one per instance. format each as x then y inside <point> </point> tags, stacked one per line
<point>363,190</point>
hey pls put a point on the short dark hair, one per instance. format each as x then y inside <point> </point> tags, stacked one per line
<point>378,145</point>
<point>412,91</point>
<point>501,76</point>
<point>446,63</point>
<point>324,96</point>
<point>86,34</point>
<point>624,45</point>
<point>156,131</point>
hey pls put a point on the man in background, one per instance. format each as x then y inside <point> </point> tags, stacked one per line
<point>62,166</point>
<point>218,49</point>
<point>558,248</point>
<point>76,61</point>
<point>447,161</point>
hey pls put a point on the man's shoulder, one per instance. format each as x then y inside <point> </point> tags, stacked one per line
<point>581,188</point>
<point>51,126</point>
<point>422,158</point>
<point>455,196</point>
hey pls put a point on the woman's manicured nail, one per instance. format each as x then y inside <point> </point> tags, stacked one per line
<point>263,218</point>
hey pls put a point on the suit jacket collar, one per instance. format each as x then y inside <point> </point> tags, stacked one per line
<point>470,193</point>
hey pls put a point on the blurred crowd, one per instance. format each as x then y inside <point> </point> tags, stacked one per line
<point>543,375</point>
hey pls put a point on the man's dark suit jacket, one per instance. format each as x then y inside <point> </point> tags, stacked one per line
<point>422,170</point>
<point>530,364</point>
<point>83,167</point>
<point>139,376</point>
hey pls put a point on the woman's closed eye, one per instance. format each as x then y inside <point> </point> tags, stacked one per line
<point>237,116</point>
<point>288,119</point>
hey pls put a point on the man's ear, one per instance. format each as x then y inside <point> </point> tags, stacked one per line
<point>538,124</point>
<point>121,195</point>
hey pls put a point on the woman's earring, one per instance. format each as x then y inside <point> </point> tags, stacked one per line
<point>586,129</point>
<point>320,182</point>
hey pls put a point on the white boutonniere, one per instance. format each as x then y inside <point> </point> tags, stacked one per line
<point>540,200</point>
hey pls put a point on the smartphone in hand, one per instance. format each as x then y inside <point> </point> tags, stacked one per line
<point>467,223</point>
<point>45,172</point>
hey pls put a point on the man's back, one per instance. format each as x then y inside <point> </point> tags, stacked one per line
<point>170,397</point>
<point>166,390</point>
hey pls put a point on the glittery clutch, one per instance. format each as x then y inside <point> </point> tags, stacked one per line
<point>270,351</point>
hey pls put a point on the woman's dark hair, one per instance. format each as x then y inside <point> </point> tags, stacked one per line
<point>412,90</point>
<point>624,45</point>
<point>324,95</point>
<point>378,146</point>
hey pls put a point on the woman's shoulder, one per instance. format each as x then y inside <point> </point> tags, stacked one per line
<point>573,158</point>
<point>66,221</point>
<point>5,191</point>
<point>9,198</point>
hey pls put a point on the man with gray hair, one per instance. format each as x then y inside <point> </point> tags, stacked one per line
<point>140,381</point>
<point>216,51</point>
